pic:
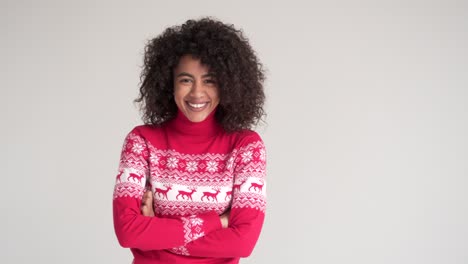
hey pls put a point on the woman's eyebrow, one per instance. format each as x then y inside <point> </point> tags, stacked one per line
<point>184,74</point>
<point>210,74</point>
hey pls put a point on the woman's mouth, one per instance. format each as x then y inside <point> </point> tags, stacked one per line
<point>197,106</point>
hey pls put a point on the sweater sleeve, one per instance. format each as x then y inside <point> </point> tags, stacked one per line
<point>134,230</point>
<point>247,210</point>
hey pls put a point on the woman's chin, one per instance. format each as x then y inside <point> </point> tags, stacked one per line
<point>196,116</point>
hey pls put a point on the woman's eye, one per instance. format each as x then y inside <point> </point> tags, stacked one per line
<point>185,80</point>
<point>210,81</point>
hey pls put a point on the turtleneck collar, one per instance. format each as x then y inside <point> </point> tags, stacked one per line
<point>204,129</point>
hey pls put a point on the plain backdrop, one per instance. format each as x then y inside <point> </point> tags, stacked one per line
<point>366,130</point>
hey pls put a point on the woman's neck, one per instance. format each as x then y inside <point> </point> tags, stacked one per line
<point>204,129</point>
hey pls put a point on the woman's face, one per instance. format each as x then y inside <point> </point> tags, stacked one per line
<point>195,89</point>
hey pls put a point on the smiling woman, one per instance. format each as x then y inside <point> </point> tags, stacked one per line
<point>195,89</point>
<point>191,183</point>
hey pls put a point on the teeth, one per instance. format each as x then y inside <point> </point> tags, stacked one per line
<point>197,105</point>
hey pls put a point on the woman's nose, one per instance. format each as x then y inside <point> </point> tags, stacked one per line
<point>197,88</point>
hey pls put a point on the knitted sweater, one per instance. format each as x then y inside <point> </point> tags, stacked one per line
<point>196,171</point>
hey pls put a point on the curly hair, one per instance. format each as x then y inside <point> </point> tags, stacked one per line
<point>227,53</point>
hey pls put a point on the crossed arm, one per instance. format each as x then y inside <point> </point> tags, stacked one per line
<point>242,224</point>
<point>237,238</point>
<point>233,234</point>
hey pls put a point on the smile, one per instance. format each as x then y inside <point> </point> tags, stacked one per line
<point>197,106</point>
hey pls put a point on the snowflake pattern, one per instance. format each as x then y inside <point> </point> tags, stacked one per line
<point>247,156</point>
<point>172,162</point>
<point>192,228</point>
<point>191,166</point>
<point>137,148</point>
<point>212,166</point>
<point>154,159</point>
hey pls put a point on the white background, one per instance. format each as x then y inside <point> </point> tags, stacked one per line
<point>366,130</point>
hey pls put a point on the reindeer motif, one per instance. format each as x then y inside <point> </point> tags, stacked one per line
<point>135,176</point>
<point>237,186</point>
<point>186,194</point>
<point>211,195</point>
<point>162,192</point>
<point>118,176</point>
<point>257,186</point>
<point>228,195</point>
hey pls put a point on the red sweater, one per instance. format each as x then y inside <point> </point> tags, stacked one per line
<point>196,171</point>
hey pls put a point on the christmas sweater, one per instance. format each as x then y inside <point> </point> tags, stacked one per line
<point>197,171</point>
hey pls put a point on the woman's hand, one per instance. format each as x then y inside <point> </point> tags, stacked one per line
<point>147,204</point>
<point>225,219</point>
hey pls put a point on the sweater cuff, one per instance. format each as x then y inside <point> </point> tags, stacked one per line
<point>197,226</point>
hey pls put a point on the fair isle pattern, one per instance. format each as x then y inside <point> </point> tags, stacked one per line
<point>128,189</point>
<point>182,250</point>
<point>133,168</point>
<point>250,174</point>
<point>189,184</point>
<point>180,208</point>
<point>176,167</point>
<point>250,200</point>
<point>134,154</point>
<point>192,228</point>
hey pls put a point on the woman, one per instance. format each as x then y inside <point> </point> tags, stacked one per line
<point>204,169</point>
